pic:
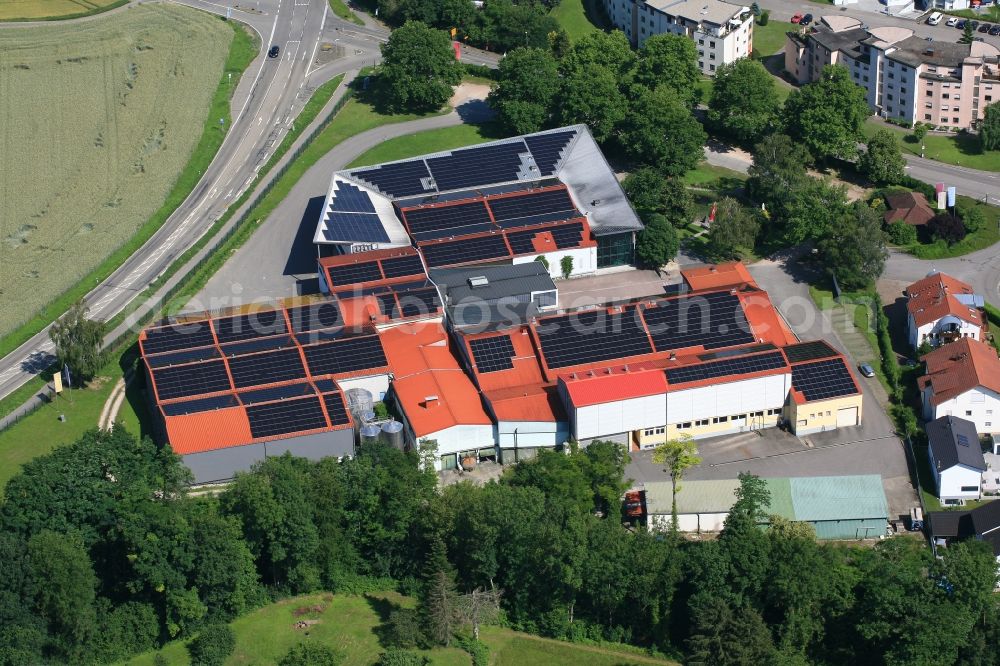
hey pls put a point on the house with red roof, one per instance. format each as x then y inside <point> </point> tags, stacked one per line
<point>963,379</point>
<point>942,309</point>
<point>908,207</point>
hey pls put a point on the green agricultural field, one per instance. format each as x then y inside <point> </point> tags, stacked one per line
<point>45,10</point>
<point>349,624</point>
<point>97,122</point>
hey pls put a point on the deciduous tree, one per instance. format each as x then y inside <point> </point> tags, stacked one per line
<point>734,228</point>
<point>591,95</point>
<point>78,342</point>
<point>947,227</point>
<point>744,105</point>
<point>527,83</point>
<point>677,456</point>
<point>853,248</point>
<point>827,115</point>
<point>882,162</point>
<point>658,242</point>
<point>989,128</point>
<point>671,62</point>
<point>418,69</point>
<point>660,131</point>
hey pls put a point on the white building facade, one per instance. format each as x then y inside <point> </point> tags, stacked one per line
<point>979,405</point>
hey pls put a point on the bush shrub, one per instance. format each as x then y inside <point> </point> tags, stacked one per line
<point>765,16</point>
<point>481,71</point>
<point>404,628</point>
<point>212,645</point>
<point>972,219</point>
<point>398,657</point>
<point>479,650</point>
<point>901,233</point>
<point>311,654</point>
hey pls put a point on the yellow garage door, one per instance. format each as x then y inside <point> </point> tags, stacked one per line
<point>847,417</point>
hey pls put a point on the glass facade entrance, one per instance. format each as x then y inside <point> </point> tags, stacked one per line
<point>616,250</point>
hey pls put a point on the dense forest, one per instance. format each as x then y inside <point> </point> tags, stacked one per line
<point>104,554</point>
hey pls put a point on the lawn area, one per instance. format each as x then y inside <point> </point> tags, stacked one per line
<point>577,17</point>
<point>960,149</point>
<point>340,8</point>
<point>430,141</point>
<point>108,177</point>
<point>769,39</point>
<point>350,624</point>
<point>980,239</point>
<point>709,176</point>
<point>53,10</point>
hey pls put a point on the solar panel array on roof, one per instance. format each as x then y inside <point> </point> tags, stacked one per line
<point>450,220</point>
<point>258,345</point>
<point>564,235</point>
<point>348,274</point>
<point>709,320</point>
<point>180,381</point>
<point>177,336</point>
<point>809,351</point>
<point>356,227</point>
<point>351,199</point>
<point>336,409</point>
<point>315,316</point>
<point>732,366</point>
<point>477,166</point>
<point>465,250</point>
<point>402,266</point>
<point>183,356</point>
<point>387,305</point>
<point>533,208</point>
<point>823,379</point>
<point>742,351</point>
<point>345,355</point>
<point>493,354</point>
<point>199,405</point>
<point>267,368</point>
<point>279,418</point>
<point>273,393</point>
<point>419,302</point>
<point>591,337</point>
<point>547,149</point>
<point>250,325</point>
<point>401,179</point>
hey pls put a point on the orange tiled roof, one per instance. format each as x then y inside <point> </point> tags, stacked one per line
<point>532,403</point>
<point>933,297</point>
<point>613,384</point>
<point>717,276</point>
<point>958,367</point>
<point>910,207</point>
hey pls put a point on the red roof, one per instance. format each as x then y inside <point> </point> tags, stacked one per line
<point>765,321</point>
<point>909,207</point>
<point>326,263</point>
<point>958,367</point>
<point>613,384</point>
<point>933,297</point>
<point>539,403</point>
<point>718,276</point>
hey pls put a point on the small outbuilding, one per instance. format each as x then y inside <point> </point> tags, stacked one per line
<point>956,459</point>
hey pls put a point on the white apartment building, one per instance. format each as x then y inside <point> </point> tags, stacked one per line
<point>722,31</point>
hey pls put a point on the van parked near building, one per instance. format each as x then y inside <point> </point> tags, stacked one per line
<point>934,18</point>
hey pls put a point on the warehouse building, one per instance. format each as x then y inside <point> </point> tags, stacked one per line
<point>549,194</point>
<point>230,389</point>
<point>837,507</point>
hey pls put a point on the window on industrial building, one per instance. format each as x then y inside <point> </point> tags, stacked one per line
<point>720,419</point>
<point>970,489</point>
<point>686,424</point>
<point>987,424</point>
<point>927,116</point>
<point>712,67</point>
<point>902,90</point>
<point>968,412</point>
<point>930,93</point>
<point>701,41</point>
<point>701,422</point>
<point>901,114</point>
<point>812,416</point>
<point>649,432</point>
<point>945,96</point>
<point>955,120</point>
<point>989,98</point>
<point>739,417</point>
<point>712,44</point>
<point>828,412</point>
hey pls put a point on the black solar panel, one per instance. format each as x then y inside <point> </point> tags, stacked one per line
<point>710,320</point>
<point>315,316</point>
<point>484,165</point>
<point>451,220</point>
<point>258,345</point>
<point>351,199</point>
<point>742,351</point>
<point>590,337</point>
<point>345,355</point>
<point>326,385</point>
<point>564,235</point>
<point>276,393</point>
<point>177,336</point>
<point>401,179</point>
<point>357,227</point>
<point>809,351</point>
<point>279,418</point>
<point>267,368</point>
<point>402,266</point>
<point>727,367</point>
<point>336,409</point>
<point>823,379</point>
<point>199,405</point>
<point>403,287</point>
<point>180,381</point>
<point>250,325</point>
<point>466,250</point>
<point>531,204</point>
<point>184,356</point>
<point>348,274</point>
<point>546,149</point>
<point>493,354</point>
<point>420,302</point>
<point>387,305</point>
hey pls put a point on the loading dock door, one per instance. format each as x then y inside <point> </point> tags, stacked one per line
<point>847,417</point>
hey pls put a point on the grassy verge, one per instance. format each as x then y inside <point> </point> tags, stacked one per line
<point>343,11</point>
<point>429,141</point>
<point>709,176</point>
<point>960,149</point>
<point>243,49</point>
<point>351,625</point>
<point>769,39</point>
<point>577,17</point>
<point>97,9</point>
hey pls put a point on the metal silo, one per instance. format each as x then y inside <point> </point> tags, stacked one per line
<point>370,434</point>
<point>359,401</point>
<point>392,434</point>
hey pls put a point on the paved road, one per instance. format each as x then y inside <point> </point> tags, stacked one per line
<point>266,101</point>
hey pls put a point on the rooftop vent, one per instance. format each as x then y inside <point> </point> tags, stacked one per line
<point>928,52</point>
<point>478,281</point>
<point>430,400</point>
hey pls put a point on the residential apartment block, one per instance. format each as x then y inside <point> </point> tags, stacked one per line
<point>905,77</point>
<point>723,32</point>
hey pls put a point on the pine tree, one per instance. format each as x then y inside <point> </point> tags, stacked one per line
<point>439,604</point>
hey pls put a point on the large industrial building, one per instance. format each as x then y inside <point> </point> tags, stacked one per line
<point>550,194</point>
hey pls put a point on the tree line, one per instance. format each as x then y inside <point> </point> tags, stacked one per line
<point>105,555</point>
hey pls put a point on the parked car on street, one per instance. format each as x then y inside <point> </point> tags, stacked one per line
<point>806,20</point>
<point>934,18</point>
<point>866,370</point>
<point>995,30</point>
<point>952,22</point>
<point>984,27</point>
<point>797,18</point>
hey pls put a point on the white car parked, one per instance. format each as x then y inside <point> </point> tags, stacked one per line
<point>952,22</point>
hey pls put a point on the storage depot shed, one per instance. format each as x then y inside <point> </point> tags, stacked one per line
<point>838,507</point>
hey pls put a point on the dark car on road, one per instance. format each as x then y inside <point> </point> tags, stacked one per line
<point>985,27</point>
<point>995,30</point>
<point>806,20</point>
<point>273,53</point>
<point>975,25</point>
<point>961,24</point>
